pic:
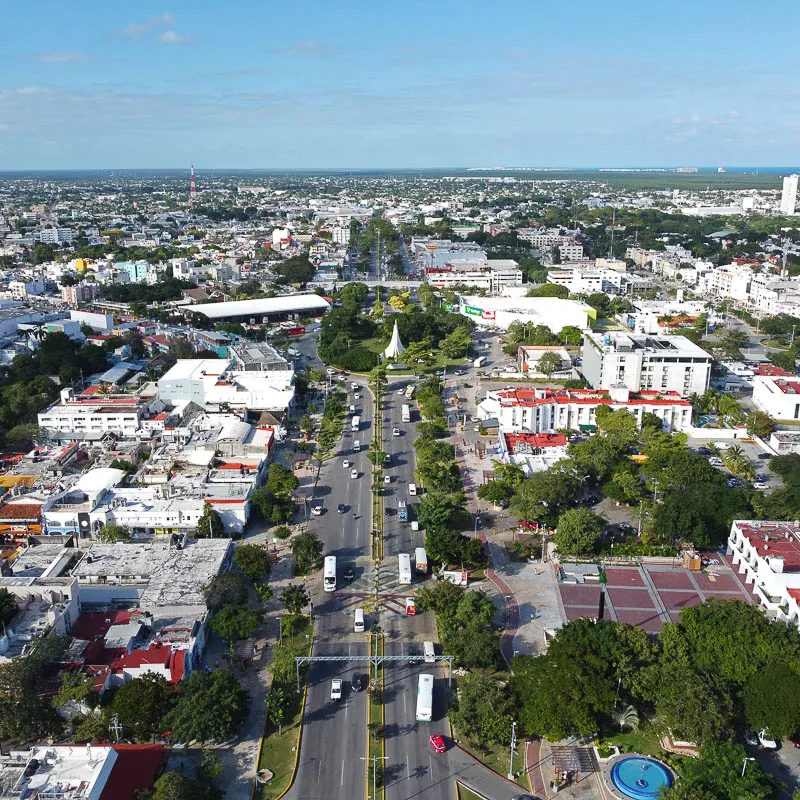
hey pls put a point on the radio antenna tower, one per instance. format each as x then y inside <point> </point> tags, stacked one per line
<point>192,187</point>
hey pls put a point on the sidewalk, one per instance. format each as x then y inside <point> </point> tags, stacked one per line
<point>240,759</point>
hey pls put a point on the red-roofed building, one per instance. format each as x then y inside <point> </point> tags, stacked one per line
<point>768,557</point>
<point>534,452</point>
<point>534,409</point>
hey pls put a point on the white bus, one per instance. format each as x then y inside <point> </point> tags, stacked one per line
<point>330,574</point>
<point>425,698</point>
<point>405,412</point>
<point>404,565</point>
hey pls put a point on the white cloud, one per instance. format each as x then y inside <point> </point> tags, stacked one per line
<point>60,57</point>
<point>170,37</point>
<point>138,29</point>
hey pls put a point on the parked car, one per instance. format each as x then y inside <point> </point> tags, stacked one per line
<point>316,511</point>
<point>766,741</point>
<point>716,462</point>
<point>765,456</point>
<point>349,573</point>
<point>750,738</point>
<point>437,743</point>
<point>336,690</point>
<point>759,486</point>
<point>354,386</point>
<point>411,607</point>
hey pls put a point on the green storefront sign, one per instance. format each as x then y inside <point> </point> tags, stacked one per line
<point>476,312</point>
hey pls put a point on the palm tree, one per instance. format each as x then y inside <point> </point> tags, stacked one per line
<point>627,717</point>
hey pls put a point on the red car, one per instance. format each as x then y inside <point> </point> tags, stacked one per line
<point>437,743</point>
<point>411,607</point>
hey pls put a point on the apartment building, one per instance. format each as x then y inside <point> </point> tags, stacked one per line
<point>644,363</point>
<point>21,290</point>
<point>55,235</point>
<point>545,410</point>
<point>77,294</point>
<point>777,396</point>
<point>589,280</point>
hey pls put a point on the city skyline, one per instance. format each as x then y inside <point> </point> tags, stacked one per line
<point>351,87</point>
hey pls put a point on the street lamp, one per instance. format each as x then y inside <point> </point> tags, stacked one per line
<point>513,750</point>
<point>744,764</point>
<point>374,760</point>
<point>477,522</point>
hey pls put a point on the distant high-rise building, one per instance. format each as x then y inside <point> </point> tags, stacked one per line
<point>192,186</point>
<point>789,194</point>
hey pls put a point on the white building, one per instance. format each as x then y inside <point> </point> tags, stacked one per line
<point>767,555</point>
<point>657,363</point>
<point>55,235</point>
<point>589,280</point>
<point>538,410</point>
<point>90,416</point>
<point>778,397</point>
<point>213,382</point>
<point>340,234</point>
<point>20,290</point>
<point>490,275</point>
<point>789,194</point>
<point>500,312</point>
<point>570,252</point>
<point>534,452</point>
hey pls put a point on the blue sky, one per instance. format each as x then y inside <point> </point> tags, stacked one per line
<point>416,83</point>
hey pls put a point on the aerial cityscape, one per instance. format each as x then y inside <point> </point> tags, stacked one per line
<point>394,406</point>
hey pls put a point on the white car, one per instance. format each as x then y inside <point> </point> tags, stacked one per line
<point>356,396</point>
<point>354,386</point>
<point>760,486</point>
<point>336,690</point>
<point>346,464</point>
<point>387,478</point>
<point>395,431</point>
<point>766,741</point>
<point>353,473</point>
<point>401,391</point>
<point>716,462</point>
<point>316,511</point>
<point>330,371</point>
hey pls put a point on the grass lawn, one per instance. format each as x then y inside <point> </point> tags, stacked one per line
<point>645,740</point>
<point>466,794</point>
<point>278,750</point>
<point>495,756</point>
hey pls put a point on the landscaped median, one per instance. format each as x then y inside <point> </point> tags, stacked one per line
<point>376,744</point>
<point>283,727</point>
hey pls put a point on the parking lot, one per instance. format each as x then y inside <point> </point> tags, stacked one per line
<point>650,595</point>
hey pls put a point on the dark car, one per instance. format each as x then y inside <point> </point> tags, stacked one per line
<point>704,451</point>
<point>387,511</point>
<point>387,459</point>
<point>341,508</point>
<point>349,573</point>
<point>765,455</point>
<point>357,682</point>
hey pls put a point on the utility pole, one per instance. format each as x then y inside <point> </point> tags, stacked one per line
<point>513,750</point>
<point>374,760</point>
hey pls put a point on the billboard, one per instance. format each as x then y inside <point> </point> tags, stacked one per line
<point>475,312</point>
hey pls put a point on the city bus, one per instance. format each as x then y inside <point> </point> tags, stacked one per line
<point>410,391</point>
<point>425,698</point>
<point>405,412</point>
<point>329,574</point>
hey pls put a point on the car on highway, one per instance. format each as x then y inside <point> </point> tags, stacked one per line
<point>387,478</point>
<point>316,511</point>
<point>358,682</point>
<point>437,743</point>
<point>387,512</point>
<point>349,573</point>
<point>401,391</point>
<point>336,689</point>
<point>341,508</point>
<point>411,607</point>
<point>353,473</point>
<point>346,464</point>
<point>387,459</point>
<point>395,431</point>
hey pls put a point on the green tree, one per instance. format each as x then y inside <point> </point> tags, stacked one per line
<point>772,701</point>
<point>548,363</point>
<point>8,606</point>
<point>456,343</point>
<point>545,493</point>
<point>114,533</point>
<point>549,290</point>
<point>210,525</point>
<point>436,511</point>
<point>211,707</point>
<point>141,705</point>
<point>224,589</point>
<point>281,481</point>
<point>485,710</point>
<point>307,551</point>
<point>75,687</point>
<point>578,531</point>
<point>277,703</point>
<point>784,359</point>
<point>295,598</point>
<point>236,622</point>
<point>570,335</point>
<point>252,560</point>
<point>759,424</point>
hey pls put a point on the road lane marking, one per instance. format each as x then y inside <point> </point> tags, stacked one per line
<point>430,761</point>
<point>341,782</point>
<point>408,768</point>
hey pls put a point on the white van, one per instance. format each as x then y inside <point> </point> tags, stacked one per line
<point>358,622</point>
<point>412,489</point>
<point>356,446</point>
<point>428,652</point>
<point>329,582</point>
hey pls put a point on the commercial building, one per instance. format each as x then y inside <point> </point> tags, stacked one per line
<point>767,555</point>
<point>534,452</point>
<point>777,396</point>
<point>490,275</point>
<point>500,312</point>
<point>55,235</point>
<point>265,310</point>
<point>789,194</point>
<point>643,363</point>
<point>538,410</point>
<point>785,442</point>
<point>79,416</point>
<point>528,357</point>
<point>589,280</point>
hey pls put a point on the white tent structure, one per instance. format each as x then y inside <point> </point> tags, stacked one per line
<point>395,348</point>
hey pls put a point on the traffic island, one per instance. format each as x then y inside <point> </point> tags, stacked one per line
<point>283,727</point>
<point>376,728</point>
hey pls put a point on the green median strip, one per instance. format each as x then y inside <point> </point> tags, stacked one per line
<point>280,744</point>
<point>376,743</point>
